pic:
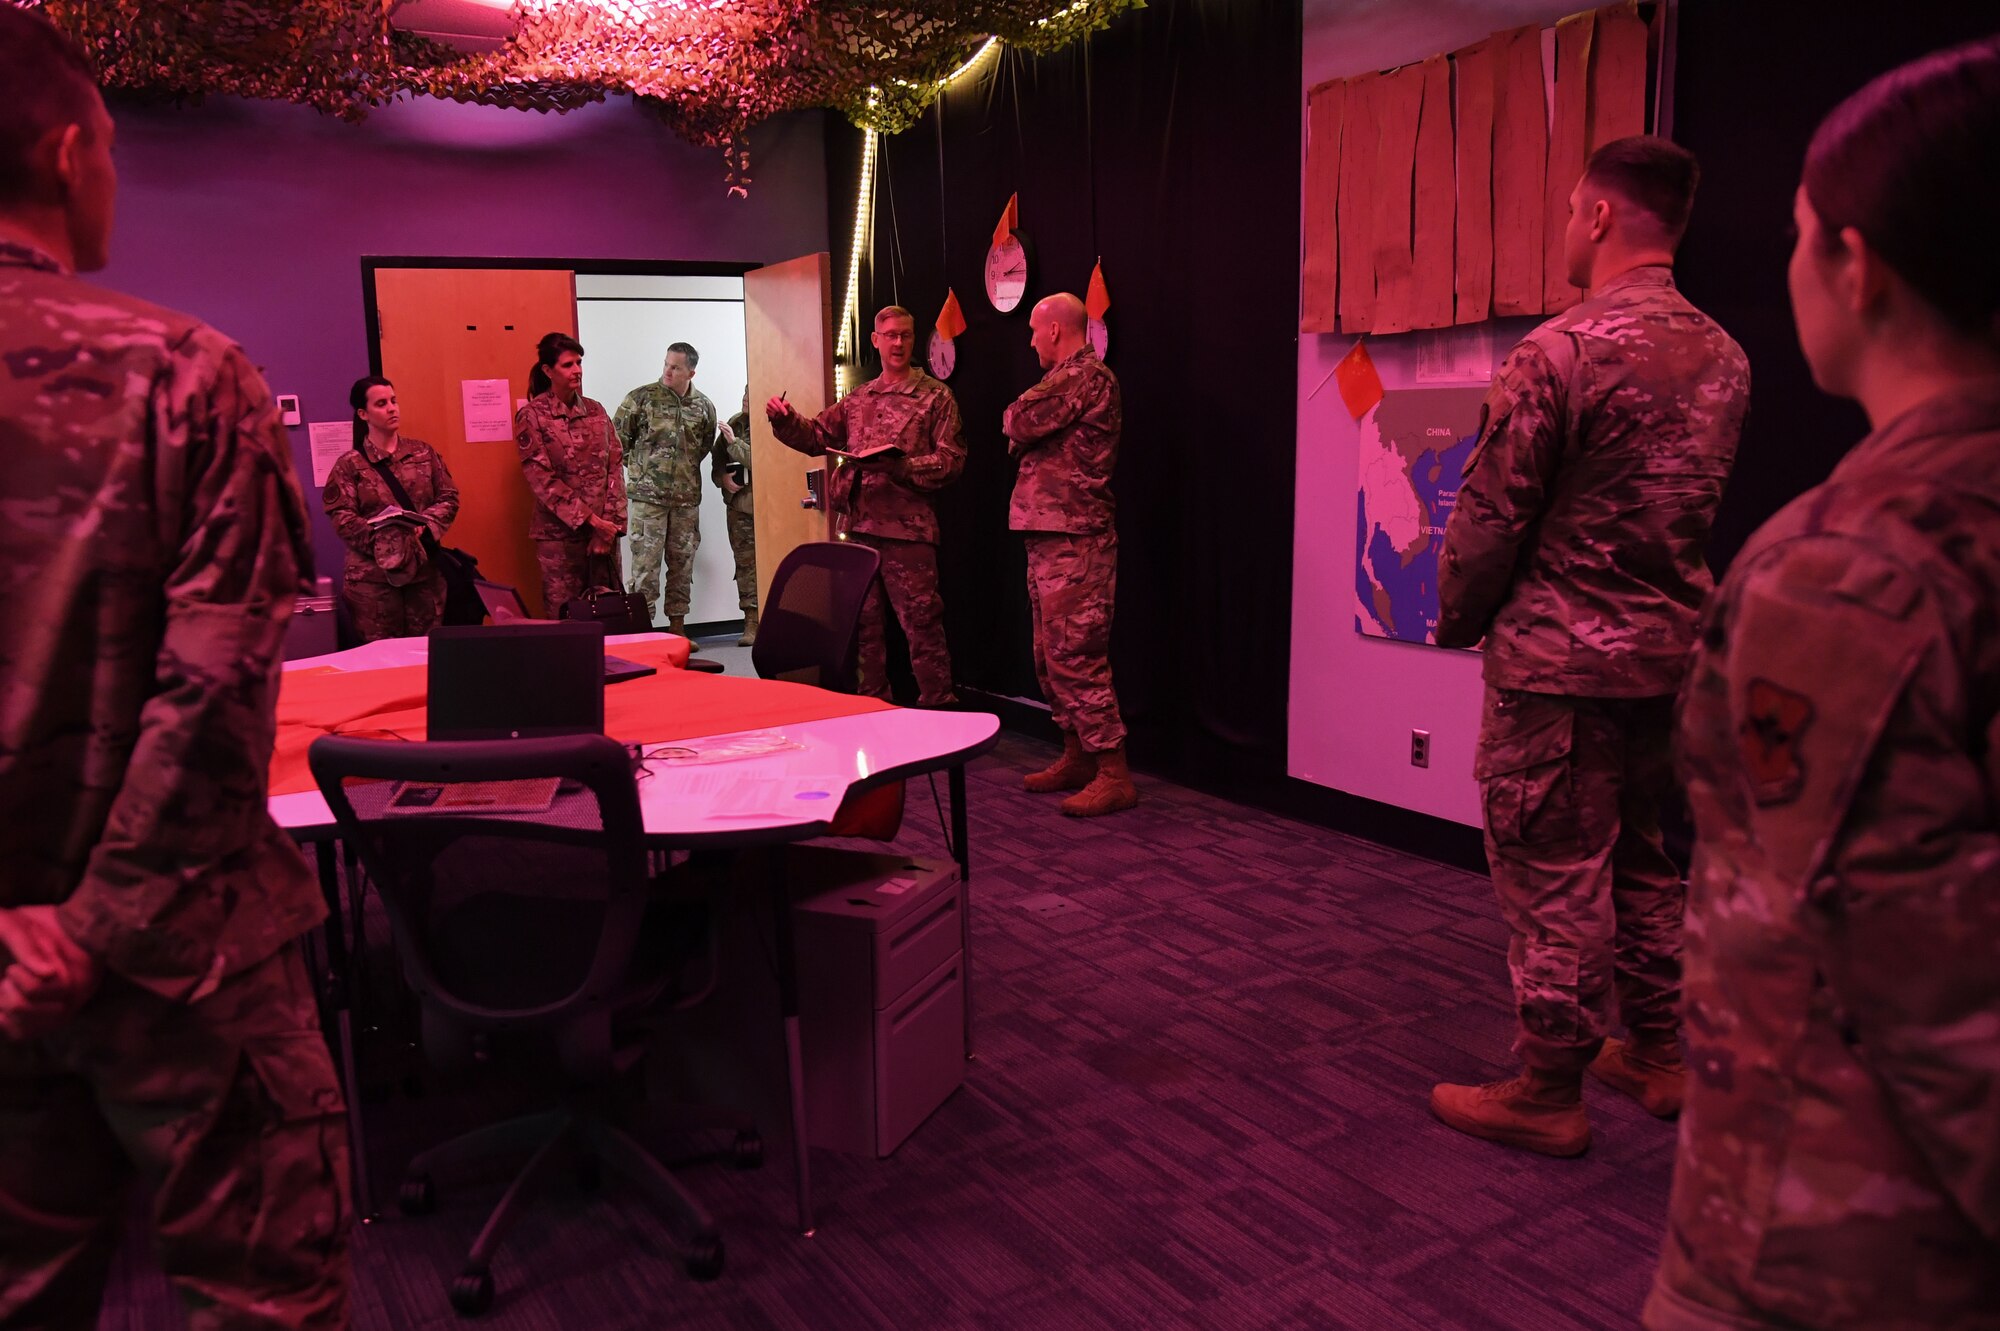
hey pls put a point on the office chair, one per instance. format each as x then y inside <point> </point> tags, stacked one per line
<point>810,629</point>
<point>511,918</point>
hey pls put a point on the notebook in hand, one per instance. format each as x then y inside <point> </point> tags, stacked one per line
<point>881,450</point>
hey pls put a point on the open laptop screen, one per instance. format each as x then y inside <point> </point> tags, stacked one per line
<point>516,681</point>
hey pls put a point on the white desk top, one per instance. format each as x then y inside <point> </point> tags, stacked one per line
<point>794,789</point>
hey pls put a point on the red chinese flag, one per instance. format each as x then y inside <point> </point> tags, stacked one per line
<point>1360,386</point>
<point>1098,298</point>
<point>951,319</point>
<point>1010,218</point>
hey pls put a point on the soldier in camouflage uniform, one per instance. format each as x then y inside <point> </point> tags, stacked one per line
<point>570,457</point>
<point>390,587</point>
<point>155,1014</point>
<point>667,428</point>
<point>884,502</point>
<point>732,457</point>
<point>1065,431</point>
<point>1575,551</point>
<point>1840,735</point>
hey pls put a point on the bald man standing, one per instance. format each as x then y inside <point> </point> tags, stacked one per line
<point>1064,431</point>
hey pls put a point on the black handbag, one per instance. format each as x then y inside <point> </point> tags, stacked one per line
<point>619,611</point>
<point>462,602</point>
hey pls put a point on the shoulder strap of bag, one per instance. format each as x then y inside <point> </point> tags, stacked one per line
<point>402,497</point>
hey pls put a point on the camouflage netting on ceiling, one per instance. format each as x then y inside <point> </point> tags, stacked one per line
<point>709,68</point>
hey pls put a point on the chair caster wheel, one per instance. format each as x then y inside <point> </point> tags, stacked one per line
<point>704,1259</point>
<point>747,1151</point>
<point>417,1196</point>
<point>472,1292</point>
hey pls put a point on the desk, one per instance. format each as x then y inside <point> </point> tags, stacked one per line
<point>838,754</point>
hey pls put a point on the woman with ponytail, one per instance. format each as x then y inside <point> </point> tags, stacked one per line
<point>391,587</point>
<point>1839,1156</point>
<point>575,469</point>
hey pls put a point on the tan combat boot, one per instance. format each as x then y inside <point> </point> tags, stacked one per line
<point>678,624</point>
<point>1536,1111</point>
<point>749,638</point>
<point>1072,771</point>
<point>1108,792</point>
<point>1652,1074</point>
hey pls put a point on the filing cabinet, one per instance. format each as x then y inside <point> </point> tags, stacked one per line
<point>881,957</point>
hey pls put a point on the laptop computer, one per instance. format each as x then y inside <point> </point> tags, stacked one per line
<point>516,681</point>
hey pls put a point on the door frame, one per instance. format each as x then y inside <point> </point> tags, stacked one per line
<point>593,267</point>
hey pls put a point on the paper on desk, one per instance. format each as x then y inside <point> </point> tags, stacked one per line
<point>690,752</point>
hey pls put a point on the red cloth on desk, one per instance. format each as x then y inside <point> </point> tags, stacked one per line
<point>674,704</point>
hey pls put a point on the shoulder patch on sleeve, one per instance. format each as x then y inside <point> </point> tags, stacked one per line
<point>1772,724</point>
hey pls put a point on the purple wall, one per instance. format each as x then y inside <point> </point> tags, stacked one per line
<point>255,215</point>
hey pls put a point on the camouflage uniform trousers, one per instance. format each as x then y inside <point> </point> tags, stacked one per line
<point>1072,584</point>
<point>1572,788</point>
<point>672,531</point>
<point>568,568</point>
<point>228,1105</point>
<point>743,544</point>
<point>378,610</point>
<point>909,578</point>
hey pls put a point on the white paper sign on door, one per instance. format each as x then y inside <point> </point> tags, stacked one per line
<point>489,414</point>
<point>328,440</point>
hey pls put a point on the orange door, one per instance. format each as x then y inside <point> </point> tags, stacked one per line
<point>442,326</point>
<point>788,328</point>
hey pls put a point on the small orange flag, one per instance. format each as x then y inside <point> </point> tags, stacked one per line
<point>1010,218</point>
<point>951,319</point>
<point>1360,385</point>
<point>1097,299</point>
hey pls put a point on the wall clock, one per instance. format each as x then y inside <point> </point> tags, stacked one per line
<point>942,356</point>
<point>1007,262</point>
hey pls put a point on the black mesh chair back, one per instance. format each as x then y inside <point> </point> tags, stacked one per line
<point>514,875</point>
<point>809,630</point>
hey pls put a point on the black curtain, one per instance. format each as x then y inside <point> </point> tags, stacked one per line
<point>1168,145</point>
<point>1753,81</point>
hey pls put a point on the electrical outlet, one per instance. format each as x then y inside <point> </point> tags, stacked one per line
<point>1420,748</point>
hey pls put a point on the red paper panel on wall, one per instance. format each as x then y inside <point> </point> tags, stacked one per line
<point>1432,223</point>
<point>1473,243</point>
<point>1360,136</point>
<point>1520,165</point>
<point>1566,153</point>
<point>1399,98</point>
<point>1322,190</point>
<point>1618,75</point>
<point>1438,193</point>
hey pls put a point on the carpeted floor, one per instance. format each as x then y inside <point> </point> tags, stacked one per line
<point>1205,1040</point>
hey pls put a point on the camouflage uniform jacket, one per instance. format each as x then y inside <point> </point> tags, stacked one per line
<point>890,499</point>
<point>355,492</point>
<point>1065,432</point>
<point>725,453</point>
<point>155,540</point>
<point>1575,548</point>
<point>570,456</point>
<point>666,437</point>
<point>1840,732</point>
